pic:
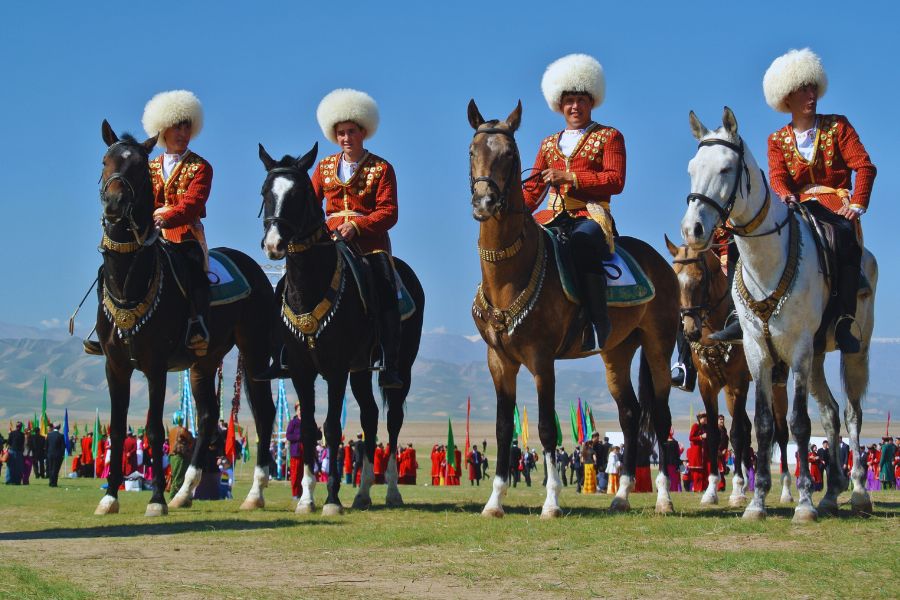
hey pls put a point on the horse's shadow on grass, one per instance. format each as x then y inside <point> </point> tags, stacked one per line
<point>127,530</point>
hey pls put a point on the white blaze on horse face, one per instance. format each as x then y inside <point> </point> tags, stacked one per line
<point>280,187</point>
<point>707,178</point>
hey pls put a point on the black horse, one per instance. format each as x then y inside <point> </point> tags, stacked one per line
<point>141,324</point>
<point>328,328</point>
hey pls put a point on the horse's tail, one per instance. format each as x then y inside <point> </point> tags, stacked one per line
<point>646,399</point>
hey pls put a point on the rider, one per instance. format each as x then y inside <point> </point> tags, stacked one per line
<point>810,161</point>
<point>360,194</point>
<point>580,168</point>
<point>181,184</point>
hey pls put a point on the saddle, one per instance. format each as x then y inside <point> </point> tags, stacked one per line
<point>362,276</point>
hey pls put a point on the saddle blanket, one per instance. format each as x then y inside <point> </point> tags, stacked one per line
<point>226,282</point>
<point>405,302</point>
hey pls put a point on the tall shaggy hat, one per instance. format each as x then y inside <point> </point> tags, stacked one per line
<point>347,105</point>
<point>789,73</point>
<point>171,108</point>
<point>573,73</point>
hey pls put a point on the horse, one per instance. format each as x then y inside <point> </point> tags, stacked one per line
<point>141,325</point>
<point>779,265</point>
<point>705,305</point>
<point>327,326</point>
<point>541,324</point>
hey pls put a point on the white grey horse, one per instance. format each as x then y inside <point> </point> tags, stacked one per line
<point>787,296</point>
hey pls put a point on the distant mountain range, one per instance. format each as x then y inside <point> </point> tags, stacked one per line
<point>449,369</point>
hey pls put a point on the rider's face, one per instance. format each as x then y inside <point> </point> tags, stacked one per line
<point>803,100</point>
<point>350,137</point>
<point>576,108</point>
<point>177,137</point>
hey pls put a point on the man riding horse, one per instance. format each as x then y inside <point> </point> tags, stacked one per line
<point>181,181</point>
<point>810,162</point>
<point>580,168</point>
<point>360,193</point>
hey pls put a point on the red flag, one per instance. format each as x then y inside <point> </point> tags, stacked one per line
<point>887,428</point>
<point>581,423</point>
<point>229,439</point>
<point>468,412</point>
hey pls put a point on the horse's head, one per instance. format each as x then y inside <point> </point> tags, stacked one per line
<point>716,173</point>
<point>695,270</point>
<point>291,209</point>
<point>125,191</point>
<point>494,163</point>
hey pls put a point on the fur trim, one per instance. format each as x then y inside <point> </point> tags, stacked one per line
<point>170,108</point>
<point>573,73</point>
<point>789,73</point>
<point>347,105</point>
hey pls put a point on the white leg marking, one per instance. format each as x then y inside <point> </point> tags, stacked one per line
<point>786,497</point>
<point>108,506</point>
<point>620,501</point>
<point>307,503</point>
<point>551,508</point>
<point>663,498</point>
<point>494,506</point>
<point>255,496</point>
<point>711,495</point>
<point>393,497</point>
<point>738,491</point>
<point>185,496</point>
<point>363,498</point>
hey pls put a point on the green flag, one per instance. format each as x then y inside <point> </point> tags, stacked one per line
<point>558,429</point>
<point>96,441</point>
<point>44,420</point>
<point>588,421</point>
<point>573,419</point>
<point>517,423</point>
<point>451,447</point>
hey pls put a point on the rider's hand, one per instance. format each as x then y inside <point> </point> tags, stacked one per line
<point>790,199</point>
<point>848,213</point>
<point>556,177</point>
<point>159,221</point>
<point>347,231</point>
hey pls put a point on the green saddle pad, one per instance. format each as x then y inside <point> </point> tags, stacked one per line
<point>227,283</point>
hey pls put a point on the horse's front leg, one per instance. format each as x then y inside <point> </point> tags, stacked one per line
<point>337,386</point>
<point>394,399</point>
<point>545,380</point>
<point>204,392</point>
<point>764,423</point>
<point>503,372</point>
<point>304,379</point>
<point>156,386</point>
<point>118,378</point>
<point>618,380</point>
<point>782,434</point>
<point>855,368</point>
<point>801,429</point>
<point>831,422</point>
<point>736,399</point>
<point>361,384</point>
<point>710,394</point>
<point>263,409</point>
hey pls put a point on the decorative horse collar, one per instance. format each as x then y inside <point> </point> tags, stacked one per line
<point>129,317</point>
<point>308,326</point>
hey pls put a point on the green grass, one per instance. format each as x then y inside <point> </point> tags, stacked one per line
<point>51,546</point>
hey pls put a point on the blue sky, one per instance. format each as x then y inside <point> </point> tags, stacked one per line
<point>260,71</point>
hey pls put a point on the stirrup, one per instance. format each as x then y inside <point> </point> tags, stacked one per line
<point>92,347</point>
<point>679,376</point>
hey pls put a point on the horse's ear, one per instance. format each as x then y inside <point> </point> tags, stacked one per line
<point>729,122</point>
<point>698,129</point>
<point>306,161</point>
<point>149,143</point>
<point>475,118</point>
<point>673,249</point>
<point>515,117</point>
<point>267,161</point>
<point>109,136</point>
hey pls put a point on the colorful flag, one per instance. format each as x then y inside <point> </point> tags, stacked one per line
<point>344,414</point>
<point>592,426</point>
<point>229,439</point>
<point>581,423</point>
<point>451,447</point>
<point>524,427</point>
<point>44,421</point>
<point>887,428</point>
<point>96,440</point>
<point>517,423</point>
<point>573,422</point>
<point>559,439</point>
<point>468,412</point>
<point>66,433</point>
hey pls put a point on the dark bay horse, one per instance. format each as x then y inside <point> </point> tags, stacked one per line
<point>141,324</point>
<point>706,303</point>
<point>328,329</point>
<point>536,326</point>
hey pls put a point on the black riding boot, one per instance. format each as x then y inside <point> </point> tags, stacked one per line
<point>197,336</point>
<point>594,285</point>
<point>732,334</point>
<point>389,322</point>
<point>684,375</point>
<point>277,369</point>
<point>847,292</point>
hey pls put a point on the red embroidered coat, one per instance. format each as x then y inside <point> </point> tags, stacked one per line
<point>368,199</point>
<point>183,196</point>
<point>598,163</point>
<point>826,176</point>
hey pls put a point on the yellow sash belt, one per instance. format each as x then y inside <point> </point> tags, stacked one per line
<point>599,212</point>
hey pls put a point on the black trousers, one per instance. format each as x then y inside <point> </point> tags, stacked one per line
<point>54,463</point>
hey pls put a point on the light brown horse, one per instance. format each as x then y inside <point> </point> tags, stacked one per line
<point>526,319</point>
<point>706,302</point>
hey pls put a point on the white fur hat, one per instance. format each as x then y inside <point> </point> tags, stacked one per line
<point>573,73</point>
<point>789,73</point>
<point>347,105</point>
<point>171,108</point>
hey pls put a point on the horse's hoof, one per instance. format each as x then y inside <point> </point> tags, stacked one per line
<point>861,507</point>
<point>754,514</point>
<point>180,501</point>
<point>332,510</point>
<point>492,511</point>
<point>554,512</point>
<point>620,505</point>
<point>665,507</point>
<point>253,503</point>
<point>108,506</point>
<point>156,509</point>
<point>786,499</point>
<point>361,503</point>
<point>394,500</point>
<point>804,514</point>
<point>305,508</point>
<point>736,501</point>
<point>709,500</point>
<point>828,507</point>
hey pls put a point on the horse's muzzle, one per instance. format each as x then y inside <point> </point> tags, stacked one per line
<point>483,207</point>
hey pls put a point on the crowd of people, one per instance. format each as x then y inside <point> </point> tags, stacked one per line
<point>593,467</point>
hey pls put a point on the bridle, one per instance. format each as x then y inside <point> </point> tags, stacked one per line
<point>140,239</point>
<point>515,164</point>
<point>724,211</point>
<point>701,312</point>
<point>314,231</point>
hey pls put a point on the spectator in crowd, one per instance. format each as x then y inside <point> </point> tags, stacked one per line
<point>292,435</point>
<point>844,457</point>
<point>577,469</point>
<point>474,459</point>
<point>226,478</point>
<point>589,480</point>
<point>527,465</point>
<point>56,450</point>
<point>359,453</point>
<point>613,465</point>
<point>562,464</point>
<point>886,464</point>
<point>181,444</point>
<point>601,454</point>
<point>15,462</point>
<point>39,454</point>
<point>515,462</point>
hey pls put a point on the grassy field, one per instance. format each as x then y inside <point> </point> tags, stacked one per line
<point>51,546</point>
